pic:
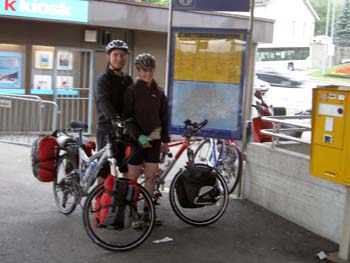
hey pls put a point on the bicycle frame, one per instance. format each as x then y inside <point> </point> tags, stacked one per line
<point>222,152</point>
<point>185,145</point>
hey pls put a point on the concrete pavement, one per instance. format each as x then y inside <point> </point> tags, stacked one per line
<point>31,229</point>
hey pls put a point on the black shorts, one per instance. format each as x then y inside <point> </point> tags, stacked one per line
<point>149,155</point>
<point>119,153</point>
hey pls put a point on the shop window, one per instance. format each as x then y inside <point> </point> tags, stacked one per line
<point>55,71</point>
<point>12,63</point>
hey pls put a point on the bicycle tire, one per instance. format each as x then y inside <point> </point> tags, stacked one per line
<point>198,216</point>
<point>112,239</point>
<point>65,185</point>
<point>231,166</point>
<point>203,153</point>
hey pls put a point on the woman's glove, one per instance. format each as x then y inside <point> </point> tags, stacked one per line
<point>144,141</point>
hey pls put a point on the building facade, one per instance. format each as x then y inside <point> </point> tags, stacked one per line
<point>55,49</point>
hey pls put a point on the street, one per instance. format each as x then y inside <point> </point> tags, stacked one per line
<point>295,99</point>
<point>33,231</point>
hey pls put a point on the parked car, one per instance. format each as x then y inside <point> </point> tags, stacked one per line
<point>262,85</point>
<point>322,39</point>
<point>277,78</point>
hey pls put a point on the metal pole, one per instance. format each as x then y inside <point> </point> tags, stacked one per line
<point>330,58</point>
<point>54,86</point>
<point>333,19</point>
<point>325,50</point>
<point>170,23</point>
<point>344,246</point>
<point>91,91</point>
<point>248,86</point>
<point>328,15</point>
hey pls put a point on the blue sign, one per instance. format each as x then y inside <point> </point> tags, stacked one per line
<point>64,10</point>
<point>212,5</point>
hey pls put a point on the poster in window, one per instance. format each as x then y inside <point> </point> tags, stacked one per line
<point>10,69</point>
<point>42,82</point>
<point>64,60</point>
<point>43,59</point>
<point>64,82</point>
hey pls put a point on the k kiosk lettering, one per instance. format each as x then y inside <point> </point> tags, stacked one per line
<point>68,10</point>
<point>36,7</point>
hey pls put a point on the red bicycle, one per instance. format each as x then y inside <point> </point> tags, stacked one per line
<point>204,213</point>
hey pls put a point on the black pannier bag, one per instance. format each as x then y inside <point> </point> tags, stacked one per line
<point>197,187</point>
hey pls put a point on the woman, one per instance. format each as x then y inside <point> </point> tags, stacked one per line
<point>147,104</point>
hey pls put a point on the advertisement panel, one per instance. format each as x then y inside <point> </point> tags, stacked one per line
<point>11,72</point>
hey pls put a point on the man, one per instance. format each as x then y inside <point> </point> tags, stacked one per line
<point>109,93</point>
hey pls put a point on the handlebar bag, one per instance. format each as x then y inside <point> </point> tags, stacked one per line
<point>197,187</point>
<point>44,157</point>
<point>118,202</point>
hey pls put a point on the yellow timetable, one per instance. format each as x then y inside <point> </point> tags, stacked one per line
<point>209,59</point>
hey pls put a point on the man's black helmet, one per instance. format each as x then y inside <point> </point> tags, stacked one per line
<point>116,44</point>
<point>144,61</point>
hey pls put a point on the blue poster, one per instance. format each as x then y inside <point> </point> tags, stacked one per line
<point>10,72</point>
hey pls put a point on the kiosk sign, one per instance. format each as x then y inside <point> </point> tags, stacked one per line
<point>72,10</point>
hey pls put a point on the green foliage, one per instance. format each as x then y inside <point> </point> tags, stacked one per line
<point>321,6</point>
<point>342,28</point>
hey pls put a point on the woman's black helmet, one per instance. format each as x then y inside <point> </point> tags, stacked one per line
<point>144,61</point>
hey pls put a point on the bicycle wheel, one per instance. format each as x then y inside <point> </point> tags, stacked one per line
<point>113,239</point>
<point>203,153</point>
<point>66,185</point>
<point>231,166</point>
<point>207,214</point>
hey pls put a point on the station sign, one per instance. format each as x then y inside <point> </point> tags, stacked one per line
<point>210,5</point>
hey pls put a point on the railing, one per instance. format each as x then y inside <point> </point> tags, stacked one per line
<point>23,117</point>
<point>279,129</point>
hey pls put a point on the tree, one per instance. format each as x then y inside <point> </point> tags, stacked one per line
<point>342,27</point>
<point>321,6</point>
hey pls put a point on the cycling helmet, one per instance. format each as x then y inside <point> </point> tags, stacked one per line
<point>116,44</point>
<point>145,60</point>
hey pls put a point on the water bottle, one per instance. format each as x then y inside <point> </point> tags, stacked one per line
<point>89,172</point>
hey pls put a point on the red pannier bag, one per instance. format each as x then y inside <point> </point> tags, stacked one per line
<point>118,203</point>
<point>44,157</point>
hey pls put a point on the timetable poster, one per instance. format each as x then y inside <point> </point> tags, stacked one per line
<point>206,80</point>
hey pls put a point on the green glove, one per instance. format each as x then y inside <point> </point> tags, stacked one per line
<point>143,139</point>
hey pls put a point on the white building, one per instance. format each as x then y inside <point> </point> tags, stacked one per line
<point>294,21</point>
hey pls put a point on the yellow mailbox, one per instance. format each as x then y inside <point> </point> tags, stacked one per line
<point>330,146</point>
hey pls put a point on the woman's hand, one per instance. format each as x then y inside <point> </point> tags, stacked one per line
<point>165,147</point>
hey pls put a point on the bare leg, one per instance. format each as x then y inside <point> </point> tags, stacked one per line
<point>134,171</point>
<point>150,176</point>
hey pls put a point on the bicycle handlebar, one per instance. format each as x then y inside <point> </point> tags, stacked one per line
<point>193,127</point>
<point>120,127</point>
